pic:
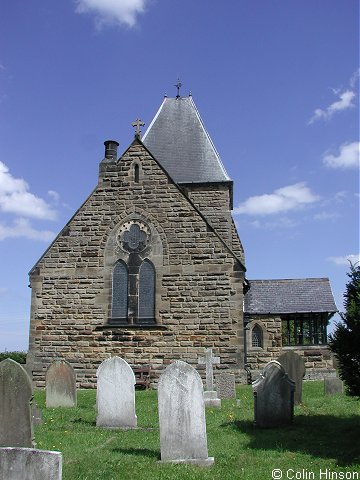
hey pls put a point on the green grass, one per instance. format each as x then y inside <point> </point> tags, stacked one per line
<point>325,435</point>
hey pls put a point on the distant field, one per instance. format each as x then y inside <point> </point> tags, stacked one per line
<point>323,441</point>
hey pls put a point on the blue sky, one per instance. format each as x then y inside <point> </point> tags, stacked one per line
<point>275,81</point>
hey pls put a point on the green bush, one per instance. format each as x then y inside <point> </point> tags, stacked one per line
<point>19,357</point>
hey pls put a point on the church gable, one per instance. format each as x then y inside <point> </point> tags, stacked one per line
<point>138,254</point>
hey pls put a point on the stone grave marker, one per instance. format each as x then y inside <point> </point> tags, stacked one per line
<point>115,395</point>
<point>225,385</point>
<point>182,416</point>
<point>273,397</point>
<point>15,406</point>
<point>36,414</point>
<point>60,385</point>
<point>30,464</point>
<point>210,395</point>
<point>333,385</point>
<point>294,366</point>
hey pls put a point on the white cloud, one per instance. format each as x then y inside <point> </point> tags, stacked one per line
<point>345,260</point>
<point>110,12</point>
<point>54,195</point>
<point>355,79</point>
<point>16,198</point>
<point>348,156</point>
<point>324,216</point>
<point>344,102</point>
<point>281,200</point>
<point>21,227</point>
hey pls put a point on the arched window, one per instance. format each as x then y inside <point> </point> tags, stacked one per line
<point>146,293</point>
<point>256,337</point>
<point>136,173</point>
<point>119,310</point>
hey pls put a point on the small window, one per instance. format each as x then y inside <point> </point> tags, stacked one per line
<point>136,173</point>
<point>119,309</point>
<point>147,292</point>
<point>256,337</point>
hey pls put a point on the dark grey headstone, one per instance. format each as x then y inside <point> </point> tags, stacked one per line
<point>273,397</point>
<point>60,385</point>
<point>225,385</point>
<point>182,416</point>
<point>15,406</point>
<point>333,385</point>
<point>294,366</point>
<point>30,464</point>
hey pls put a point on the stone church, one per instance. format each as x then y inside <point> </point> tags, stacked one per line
<point>151,268</point>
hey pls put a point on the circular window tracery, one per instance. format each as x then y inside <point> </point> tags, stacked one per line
<point>133,236</point>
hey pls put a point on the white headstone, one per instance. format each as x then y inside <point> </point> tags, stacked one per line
<point>210,395</point>
<point>182,416</point>
<point>115,395</point>
<point>30,464</point>
<point>60,385</point>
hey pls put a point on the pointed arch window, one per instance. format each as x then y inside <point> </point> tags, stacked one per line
<point>256,337</point>
<point>119,310</point>
<point>136,173</point>
<point>146,300</point>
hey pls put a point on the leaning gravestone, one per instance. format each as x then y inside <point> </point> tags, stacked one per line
<point>333,385</point>
<point>294,366</point>
<point>182,416</point>
<point>210,395</point>
<point>30,464</point>
<point>60,385</point>
<point>225,385</point>
<point>115,395</point>
<point>273,397</point>
<point>15,406</point>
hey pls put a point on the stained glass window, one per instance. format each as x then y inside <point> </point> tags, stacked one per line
<point>146,292</point>
<point>120,291</point>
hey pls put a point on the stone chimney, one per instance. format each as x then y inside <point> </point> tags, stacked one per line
<point>111,147</point>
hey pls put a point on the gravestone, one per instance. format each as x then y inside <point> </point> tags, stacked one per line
<point>15,406</point>
<point>333,385</point>
<point>294,366</point>
<point>225,385</point>
<point>210,395</point>
<point>60,385</point>
<point>273,397</point>
<point>182,416</point>
<point>115,395</point>
<point>36,415</point>
<point>30,464</point>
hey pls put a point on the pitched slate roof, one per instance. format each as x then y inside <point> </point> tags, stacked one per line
<point>289,296</point>
<point>179,141</point>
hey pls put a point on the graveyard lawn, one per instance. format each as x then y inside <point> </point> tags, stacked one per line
<point>324,436</point>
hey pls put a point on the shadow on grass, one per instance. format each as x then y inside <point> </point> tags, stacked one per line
<point>82,420</point>
<point>322,436</point>
<point>142,452</point>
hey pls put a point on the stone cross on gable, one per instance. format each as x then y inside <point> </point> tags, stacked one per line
<point>209,361</point>
<point>137,124</point>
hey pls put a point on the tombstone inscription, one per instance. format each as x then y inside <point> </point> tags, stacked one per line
<point>273,397</point>
<point>115,394</point>
<point>16,429</point>
<point>210,395</point>
<point>182,416</point>
<point>60,385</point>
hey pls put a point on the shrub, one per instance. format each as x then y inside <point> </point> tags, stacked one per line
<point>19,357</point>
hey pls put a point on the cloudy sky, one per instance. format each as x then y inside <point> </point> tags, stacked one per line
<point>275,81</point>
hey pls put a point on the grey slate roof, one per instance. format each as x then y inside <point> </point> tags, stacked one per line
<point>289,296</point>
<point>179,141</point>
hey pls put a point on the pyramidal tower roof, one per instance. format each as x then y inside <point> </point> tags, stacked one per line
<point>180,142</point>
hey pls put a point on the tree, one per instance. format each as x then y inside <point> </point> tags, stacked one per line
<point>345,340</point>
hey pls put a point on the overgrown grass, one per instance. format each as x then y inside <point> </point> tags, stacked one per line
<point>325,435</point>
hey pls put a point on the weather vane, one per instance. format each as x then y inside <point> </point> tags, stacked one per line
<point>178,86</point>
<point>137,124</point>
